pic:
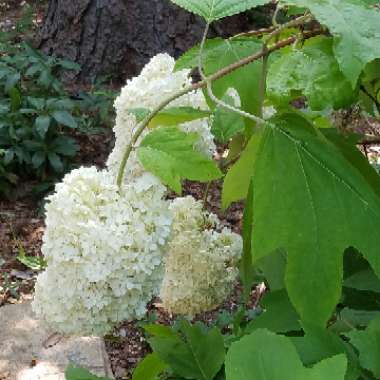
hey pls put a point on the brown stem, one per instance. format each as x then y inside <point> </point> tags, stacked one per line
<point>370,140</point>
<point>252,33</point>
<point>254,57</point>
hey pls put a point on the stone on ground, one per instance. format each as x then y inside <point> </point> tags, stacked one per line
<point>31,351</point>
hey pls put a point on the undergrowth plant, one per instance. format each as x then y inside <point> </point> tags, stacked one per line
<point>38,114</point>
<point>35,112</point>
<point>312,200</point>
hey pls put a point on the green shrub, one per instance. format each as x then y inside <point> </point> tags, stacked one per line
<point>35,114</point>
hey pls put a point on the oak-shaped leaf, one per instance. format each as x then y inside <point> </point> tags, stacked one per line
<point>268,356</point>
<point>309,200</point>
<point>212,10</point>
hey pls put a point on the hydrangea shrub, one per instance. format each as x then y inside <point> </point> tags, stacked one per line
<point>106,260</point>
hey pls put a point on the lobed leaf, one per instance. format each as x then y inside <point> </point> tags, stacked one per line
<point>368,344</point>
<point>314,204</point>
<point>198,356</point>
<point>318,344</point>
<point>355,28</point>
<point>364,280</point>
<point>212,10</point>
<point>311,71</point>
<point>278,316</point>
<point>273,357</point>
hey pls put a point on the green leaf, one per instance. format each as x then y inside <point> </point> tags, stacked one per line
<point>37,103</point>
<point>15,96</point>
<point>372,71</point>
<point>177,115</point>
<point>364,280</point>
<point>212,10</point>
<point>160,331</point>
<point>65,146</point>
<point>149,368</point>
<point>347,145</point>
<point>55,162</point>
<point>170,116</point>
<point>169,154</point>
<point>38,158</point>
<point>360,300</point>
<point>355,46</point>
<point>42,124</point>
<point>139,113</point>
<point>199,356</point>
<point>273,357</point>
<point>64,118</point>
<point>348,318</point>
<point>368,344</point>
<point>309,200</point>
<point>45,79</point>
<point>246,265</point>
<point>312,71</point>
<point>12,80</point>
<point>273,267</point>
<point>226,124</point>
<point>207,348</point>
<point>219,53</point>
<point>8,156</point>
<point>32,70</point>
<point>36,263</point>
<point>318,344</point>
<point>278,316</point>
<point>76,373</point>
<point>237,180</point>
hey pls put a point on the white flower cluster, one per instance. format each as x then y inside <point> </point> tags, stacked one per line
<point>156,82</point>
<point>105,246</point>
<point>374,157</point>
<point>104,251</point>
<point>201,263</point>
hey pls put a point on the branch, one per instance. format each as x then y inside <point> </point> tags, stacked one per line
<point>370,140</point>
<point>254,57</point>
<point>202,84</point>
<point>253,33</point>
<point>290,24</point>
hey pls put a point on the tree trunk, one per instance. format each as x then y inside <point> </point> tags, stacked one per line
<point>117,37</point>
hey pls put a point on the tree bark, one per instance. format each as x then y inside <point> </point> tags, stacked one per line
<point>117,37</point>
